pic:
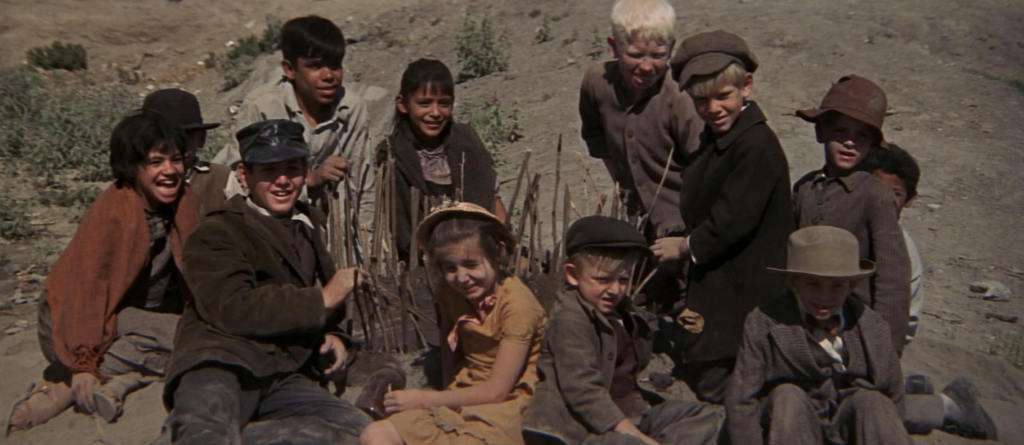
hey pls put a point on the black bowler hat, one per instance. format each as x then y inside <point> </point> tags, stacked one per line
<point>178,106</point>
<point>271,141</point>
<point>603,232</point>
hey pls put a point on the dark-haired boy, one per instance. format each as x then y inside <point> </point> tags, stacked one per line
<point>595,346</point>
<point>334,119</point>
<point>260,331</point>
<point>817,366</point>
<point>736,205</point>
<point>842,194</point>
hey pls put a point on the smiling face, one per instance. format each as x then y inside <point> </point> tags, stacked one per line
<point>316,82</point>
<point>821,297</point>
<point>602,287</point>
<point>429,111</point>
<point>847,142</point>
<point>642,62</point>
<point>723,105</point>
<point>159,177</point>
<point>274,186</point>
<point>466,269</point>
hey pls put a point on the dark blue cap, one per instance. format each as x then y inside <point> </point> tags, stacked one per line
<point>272,141</point>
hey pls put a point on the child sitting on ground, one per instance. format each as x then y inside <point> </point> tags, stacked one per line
<point>113,298</point>
<point>595,346</point>
<point>816,366</point>
<point>441,158</point>
<point>842,194</point>
<point>491,320</point>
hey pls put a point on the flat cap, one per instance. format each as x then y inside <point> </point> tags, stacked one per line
<point>271,141</point>
<point>708,53</point>
<point>603,232</point>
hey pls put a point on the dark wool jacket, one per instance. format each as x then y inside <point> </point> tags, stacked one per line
<point>251,309</point>
<point>738,213</point>
<point>461,142</point>
<point>577,361</point>
<point>778,349</point>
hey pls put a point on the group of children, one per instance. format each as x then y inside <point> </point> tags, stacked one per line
<point>790,308</point>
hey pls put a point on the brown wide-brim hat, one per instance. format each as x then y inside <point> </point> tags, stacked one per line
<point>178,106</point>
<point>855,97</point>
<point>707,53</point>
<point>825,252</point>
<point>453,210</point>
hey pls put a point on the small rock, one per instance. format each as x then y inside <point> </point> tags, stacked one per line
<point>250,24</point>
<point>12,330</point>
<point>989,290</point>
<point>934,207</point>
<point>22,324</point>
<point>12,268</point>
<point>230,44</point>
<point>1001,317</point>
<point>22,298</point>
<point>5,305</point>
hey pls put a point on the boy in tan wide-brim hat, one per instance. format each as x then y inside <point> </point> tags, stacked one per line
<point>815,364</point>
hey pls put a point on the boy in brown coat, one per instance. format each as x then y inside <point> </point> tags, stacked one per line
<point>842,194</point>
<point>816,366</point>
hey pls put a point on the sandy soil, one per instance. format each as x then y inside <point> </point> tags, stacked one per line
<point>946,65</point>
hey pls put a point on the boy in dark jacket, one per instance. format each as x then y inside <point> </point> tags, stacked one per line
<point>247,347</point>
<point>735,203</point>
<point>595,345</point>
<point>816,366</point>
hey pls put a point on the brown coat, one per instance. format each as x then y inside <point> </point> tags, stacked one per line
<point>251,308</point>
<point>90,278</point>
<point>778,349</point>
<point>635,138</point>
<point>208,182</point>
<point>864,206</point>
<point>576,366</point>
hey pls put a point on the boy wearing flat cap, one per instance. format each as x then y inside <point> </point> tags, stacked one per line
<point>816,366</point>
<point>595,346</point>
<point>735,203</point>
<point>844,194</point>
<point>259,332</point>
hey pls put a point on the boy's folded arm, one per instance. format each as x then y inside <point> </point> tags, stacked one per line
<point>226,295</point>
<point>891,283</point>
<point>745,195</point>
<point>746,388</point>
<point>578,374</point>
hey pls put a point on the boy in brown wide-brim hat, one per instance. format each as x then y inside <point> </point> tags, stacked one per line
<point>848,124</point>
<point>816,366</point>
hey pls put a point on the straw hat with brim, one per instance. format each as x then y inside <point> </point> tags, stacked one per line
<point>708,53</point>
<point>179,107</point>
<point>855,97</point>
<point>825,252</point>
<point>453,210</point>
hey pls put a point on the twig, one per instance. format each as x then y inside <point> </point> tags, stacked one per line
<point>519,182</point>
<point>554,201</point>
<point>664,174</point>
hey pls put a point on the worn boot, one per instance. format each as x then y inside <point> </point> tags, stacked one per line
<point>109,398</point>
<point>972,422</point>
<point>371,400</point>
<point>42,401</point>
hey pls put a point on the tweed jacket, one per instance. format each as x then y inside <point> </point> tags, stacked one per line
<point>471,165</point>
<point>864,206</point>
<point>778,349</point>
<point>736,205</point>
<point>109,252</point>
<point>577,361</point>
<point>634,139</point>
<point>252,309</point>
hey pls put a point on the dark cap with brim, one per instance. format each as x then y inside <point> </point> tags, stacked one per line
<point>603,232</point>
<point>178,106</point>
<point>272,141</point>
<point>856,97</point>
<point>708,53</point>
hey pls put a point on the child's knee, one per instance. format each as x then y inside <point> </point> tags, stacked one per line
<point>870,403</point>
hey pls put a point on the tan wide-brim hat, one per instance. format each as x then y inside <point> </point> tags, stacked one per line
<point>452,210</point>
<point>825,252</point>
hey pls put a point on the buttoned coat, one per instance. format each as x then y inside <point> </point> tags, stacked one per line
<point>777,349</point>
<point>576,365</point>
<point>738,213</point>
<point>251,309</point>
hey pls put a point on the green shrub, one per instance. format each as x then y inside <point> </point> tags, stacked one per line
<point>236,64</point>
<point>480,49</point>
<point>14,220</point>
<point>543,33</point>
<point>496,127</point>
<point>58,56</point>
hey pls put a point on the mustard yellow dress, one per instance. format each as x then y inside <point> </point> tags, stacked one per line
<point>518,318</point>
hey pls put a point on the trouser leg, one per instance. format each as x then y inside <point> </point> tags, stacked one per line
<point>296,410</point>
<point>707,379</point>
<point>789,417</point>
<point>211,405</point>
<point>869,417</point>
<point>924,413</point>
<point>682,422</point>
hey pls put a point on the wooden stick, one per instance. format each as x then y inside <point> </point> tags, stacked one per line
<point>664,174</point>
<point>554,196</point>
<point>615,203</point>
<point>527,208</point>
<point>519,182</point>
<point>565,226</point>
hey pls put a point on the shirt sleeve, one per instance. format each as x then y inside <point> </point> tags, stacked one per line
<point>520,324</point>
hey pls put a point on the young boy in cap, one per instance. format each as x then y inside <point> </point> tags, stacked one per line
<point>636,120</point>
<point>208,181</point>
<point>735,203</point>
<point>956,408</point>
<point>816,366</point>
<point>333,118</point>
<point>260,332</point>
<point>595,346</point>
<point>843,194</point>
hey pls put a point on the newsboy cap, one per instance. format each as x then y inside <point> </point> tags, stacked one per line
<point>271,141</point>
<point>603,232</point>
<point>178,106</point>
<point>708,53</point>
<point>856,97</point>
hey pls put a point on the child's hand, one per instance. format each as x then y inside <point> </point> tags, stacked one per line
<point>404,400</point>
<point>333,169</point>
<point>333,355</point>
<point>670,248</point>
<point>82,385</point>
<point>341,286</point>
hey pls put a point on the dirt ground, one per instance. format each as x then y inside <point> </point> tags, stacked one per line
<point>953,72</point>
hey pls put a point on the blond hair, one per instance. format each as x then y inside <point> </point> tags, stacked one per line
<point>708,85</point>
<point>643,19</point>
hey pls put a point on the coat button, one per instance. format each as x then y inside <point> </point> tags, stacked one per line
<point>816,220</point>
<point>611,356</point>
<point>821,200</point>
<point>629,134</point>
